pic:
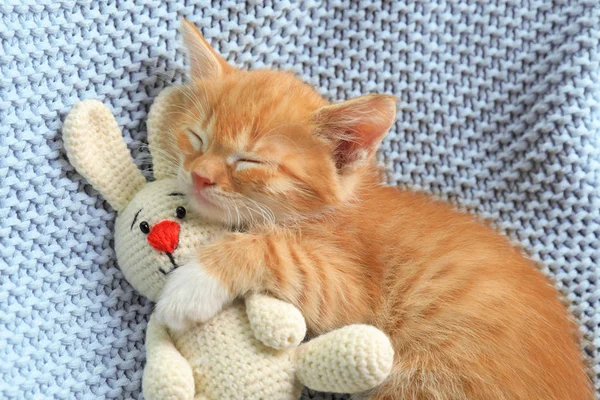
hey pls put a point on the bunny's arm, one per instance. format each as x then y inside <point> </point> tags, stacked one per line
<point>167,374</point>
<point>351,359</point>
<point>276,323</point>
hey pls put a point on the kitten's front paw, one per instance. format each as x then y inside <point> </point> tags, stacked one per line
<point>190,296</point>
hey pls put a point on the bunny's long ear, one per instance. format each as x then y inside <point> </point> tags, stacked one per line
<point>97,150</point>
<point>160,136</point>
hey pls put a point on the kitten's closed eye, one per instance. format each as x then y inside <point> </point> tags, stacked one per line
<point>246,163</point>
<point>195,138</point>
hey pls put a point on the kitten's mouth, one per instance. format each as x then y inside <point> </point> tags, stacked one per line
<point>175,266</point>
<point>201,197</point>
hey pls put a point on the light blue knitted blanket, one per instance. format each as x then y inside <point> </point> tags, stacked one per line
<point>498,112</point>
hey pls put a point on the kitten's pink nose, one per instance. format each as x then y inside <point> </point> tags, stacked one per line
<point>201,182</point>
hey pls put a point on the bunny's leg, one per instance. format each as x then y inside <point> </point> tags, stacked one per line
<point>167,374</point>
<point>351,359</point>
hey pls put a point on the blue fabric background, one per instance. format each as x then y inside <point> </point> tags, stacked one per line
<point>498,112</point>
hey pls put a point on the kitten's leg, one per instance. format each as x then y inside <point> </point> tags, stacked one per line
<point>322,280</point>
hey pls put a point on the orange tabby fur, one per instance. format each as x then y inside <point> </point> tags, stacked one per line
<point>468,315</point>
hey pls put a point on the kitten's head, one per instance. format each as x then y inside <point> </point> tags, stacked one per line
<point>258,146</point>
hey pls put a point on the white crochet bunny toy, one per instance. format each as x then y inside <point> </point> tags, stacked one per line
<point>252,349</point>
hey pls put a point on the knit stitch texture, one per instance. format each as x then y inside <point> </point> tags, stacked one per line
<point>498,113</point>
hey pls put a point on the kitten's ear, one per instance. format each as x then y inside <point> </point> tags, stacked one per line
<point>356,127</point>
<point>205,62</point>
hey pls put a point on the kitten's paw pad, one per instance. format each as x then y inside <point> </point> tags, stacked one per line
<point>190,296</point>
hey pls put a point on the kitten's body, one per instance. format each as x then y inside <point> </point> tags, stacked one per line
<point>469,317</point>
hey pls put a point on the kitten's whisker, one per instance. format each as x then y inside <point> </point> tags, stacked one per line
<point>168,158</point>
<point>157,150</point>
<point>265,211</point>
<point>229,215</point>
<point>264,133</point>
<point>239,218</point>
<point>182,108</point>
<point>268,211</point>
<point>251,213</point>
<point>289,139</point>
<point>186,113</point>
<point>187,92</point>
<point>197,101</point>
<point>154,149</point>
<point>150,158</point>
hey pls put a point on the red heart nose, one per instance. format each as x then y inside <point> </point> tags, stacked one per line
<point>164,236</point>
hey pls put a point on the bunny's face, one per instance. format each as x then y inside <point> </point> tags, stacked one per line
<point>156,233</point>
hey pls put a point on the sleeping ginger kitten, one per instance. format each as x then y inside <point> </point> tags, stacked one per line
<point>468,315</point>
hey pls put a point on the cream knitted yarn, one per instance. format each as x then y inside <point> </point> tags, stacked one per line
<point>251,349</point>
<point>229,362</point>
<point>362,355</point>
